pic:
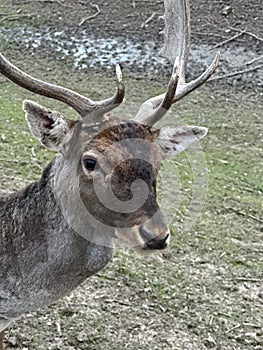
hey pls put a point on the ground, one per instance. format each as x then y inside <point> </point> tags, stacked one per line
<point>206,291</point>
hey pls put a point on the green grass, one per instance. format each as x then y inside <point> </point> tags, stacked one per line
<point>22,157</point>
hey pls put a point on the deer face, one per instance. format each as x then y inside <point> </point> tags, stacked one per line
<point>118,175</point>
<point>116,165</point>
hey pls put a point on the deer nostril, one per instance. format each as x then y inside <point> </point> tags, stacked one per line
<point>158,242</point>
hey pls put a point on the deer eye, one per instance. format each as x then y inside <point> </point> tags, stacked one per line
<point>89,163</point>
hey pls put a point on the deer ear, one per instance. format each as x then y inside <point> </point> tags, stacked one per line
<point>48,126</point>
<point>174,140</point>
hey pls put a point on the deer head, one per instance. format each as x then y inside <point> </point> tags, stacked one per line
<point>115,162</point>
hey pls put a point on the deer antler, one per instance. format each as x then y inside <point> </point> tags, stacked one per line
<point>83,105</point>
<point>177,43</point>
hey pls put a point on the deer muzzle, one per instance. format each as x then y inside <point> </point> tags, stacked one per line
<point>153,240</point>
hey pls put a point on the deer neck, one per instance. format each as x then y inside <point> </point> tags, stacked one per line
<point>52,205</point>
<point>60,259</point>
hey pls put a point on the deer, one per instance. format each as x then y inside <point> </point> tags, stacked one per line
<point>63,228</point>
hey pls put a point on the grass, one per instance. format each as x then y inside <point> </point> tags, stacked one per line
<point>205,292</point>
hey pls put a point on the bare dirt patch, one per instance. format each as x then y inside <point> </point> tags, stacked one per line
<point>137,26</point>
<point>211,19</point>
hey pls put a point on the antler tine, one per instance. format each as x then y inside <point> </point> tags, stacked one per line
<point>159,110</point>
<point>113,102</point>
<point>83,105</point>
<point>177,44</point>
<point>186,88</point>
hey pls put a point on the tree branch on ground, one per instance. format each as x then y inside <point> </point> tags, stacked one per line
<point>209,34</point>
<point>60,2</point>
<point>247,33</point>
<point>14,17</point>
<point>92,16</point>
<point>254,60</point>
<point>148,20</point>
<point>236,73</point>
<point>229,39</point>
<point>238,212</point>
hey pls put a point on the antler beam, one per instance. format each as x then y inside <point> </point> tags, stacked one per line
<point>177,43</point>
<point>83,105</point>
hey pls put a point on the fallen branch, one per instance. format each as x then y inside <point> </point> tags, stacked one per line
<point>14,17</point>
<point>209,34</point>
<point>229,39</point>
<point>252,325</point>
<point>247,279</point>
<point>92,16</point>
<point>11,14</point>
<point>245,214</point>
<point>10,160</point>
<point>236,73</point>
<point>148,20</point>
<point>233,328</point>
<point>60,2</point>
<point>248,33</point>
<point>254,60</point>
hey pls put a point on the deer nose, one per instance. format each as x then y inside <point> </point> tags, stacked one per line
<point>152,241</point>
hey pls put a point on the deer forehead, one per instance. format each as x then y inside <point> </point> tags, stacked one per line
<point>122,138</point>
